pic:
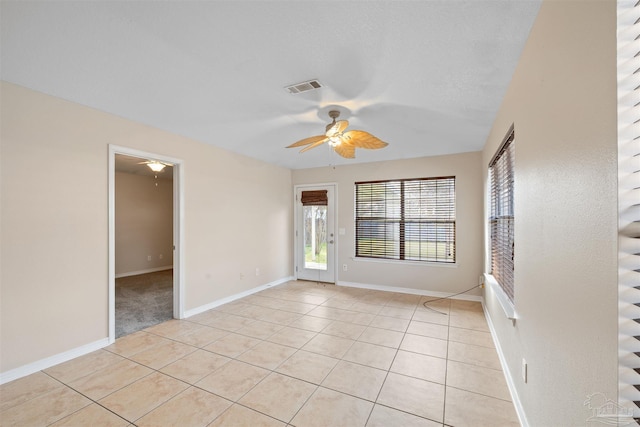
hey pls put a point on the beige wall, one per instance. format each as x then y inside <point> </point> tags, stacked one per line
<point>415,275</point>
<point>144,222</point>
<point>54,218</point>
<point>562,101</point>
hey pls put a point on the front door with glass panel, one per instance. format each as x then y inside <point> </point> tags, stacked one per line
<point>315,239</point>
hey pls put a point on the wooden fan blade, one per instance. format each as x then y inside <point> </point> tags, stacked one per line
<point>347,151</point>
<point>307,141</point>
<point>339,127</point>
<point>362,139</point>
<point>314,145</point>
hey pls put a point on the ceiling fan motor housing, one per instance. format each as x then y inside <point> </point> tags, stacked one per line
<point>334,114</point>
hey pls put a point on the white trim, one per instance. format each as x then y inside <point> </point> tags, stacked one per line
<point>178,230</point>
<point>320,184</point>
<point>410,291</point>
<point>178,240</point>
<point>111,274</point>
<point>405,262</point>
<point>234,297</point>
<point>506,304</point>
<point>48,362</point>
<point>522,417</point>
<point>148,270</point>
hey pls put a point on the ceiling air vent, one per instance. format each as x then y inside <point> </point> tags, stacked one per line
<point>304,86</point>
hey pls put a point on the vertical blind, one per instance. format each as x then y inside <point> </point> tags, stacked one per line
<point>502,219</point>
<point>629,206</point>
<point>406,219</point>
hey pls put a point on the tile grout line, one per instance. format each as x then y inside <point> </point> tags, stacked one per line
<point>97,402</point>
<point>327,375</point>
<point>404,334</point>
<point>446,366</point>
<point>299,379</point>
<point>341,359</point>
<point>271,371</point>
<point>318,386</point>
<point>387,373</point>
<point>176,338</point>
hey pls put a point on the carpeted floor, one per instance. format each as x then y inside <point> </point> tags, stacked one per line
<point>142,301</point>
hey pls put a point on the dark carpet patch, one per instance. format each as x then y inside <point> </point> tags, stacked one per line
<point>143,300</point>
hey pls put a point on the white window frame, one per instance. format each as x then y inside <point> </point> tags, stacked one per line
<point>506,302</point>
<point>406,214</point>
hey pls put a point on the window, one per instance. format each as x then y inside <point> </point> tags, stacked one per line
<point>501,218</point>
<point>314,213</point>
<point>408,219</point>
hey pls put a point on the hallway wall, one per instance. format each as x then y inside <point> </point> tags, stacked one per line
<point>144,223</point>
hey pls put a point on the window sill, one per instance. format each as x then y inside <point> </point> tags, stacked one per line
<point>405,262</point>
<point>506,304</point>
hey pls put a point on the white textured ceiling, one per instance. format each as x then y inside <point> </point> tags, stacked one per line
<point>425,76</point>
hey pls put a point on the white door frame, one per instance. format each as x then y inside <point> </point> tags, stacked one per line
<point>178,231</point>
<point>334,217</point>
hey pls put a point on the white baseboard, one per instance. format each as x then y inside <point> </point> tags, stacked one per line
<point>148,270</point>
<point>409,291</point>
<point>40,365</point>
<point>234,297</point>
<point>48,362</point>
<point>507,373</point>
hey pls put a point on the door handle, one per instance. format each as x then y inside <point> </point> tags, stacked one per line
<point>330,241</point>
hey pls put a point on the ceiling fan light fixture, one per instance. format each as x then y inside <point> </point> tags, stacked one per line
<point>334,141</point>
<point>156,166</point>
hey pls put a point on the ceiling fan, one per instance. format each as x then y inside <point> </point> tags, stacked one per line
<point>343,143</point>
<point>155,165</point>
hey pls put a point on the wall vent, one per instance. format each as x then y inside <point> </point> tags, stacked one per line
<point>304,86</point>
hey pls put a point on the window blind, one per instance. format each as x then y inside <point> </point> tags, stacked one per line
<point>410,219</point>
<point>502,218</point>
<point>629,208</point>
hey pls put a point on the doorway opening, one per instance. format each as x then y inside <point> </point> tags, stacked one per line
<point>144,240</point>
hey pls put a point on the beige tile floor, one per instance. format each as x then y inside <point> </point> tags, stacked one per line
<point>299,354</point>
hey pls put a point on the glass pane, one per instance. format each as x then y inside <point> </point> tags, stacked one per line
<point>315,237</point>
<point>378,239</point>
